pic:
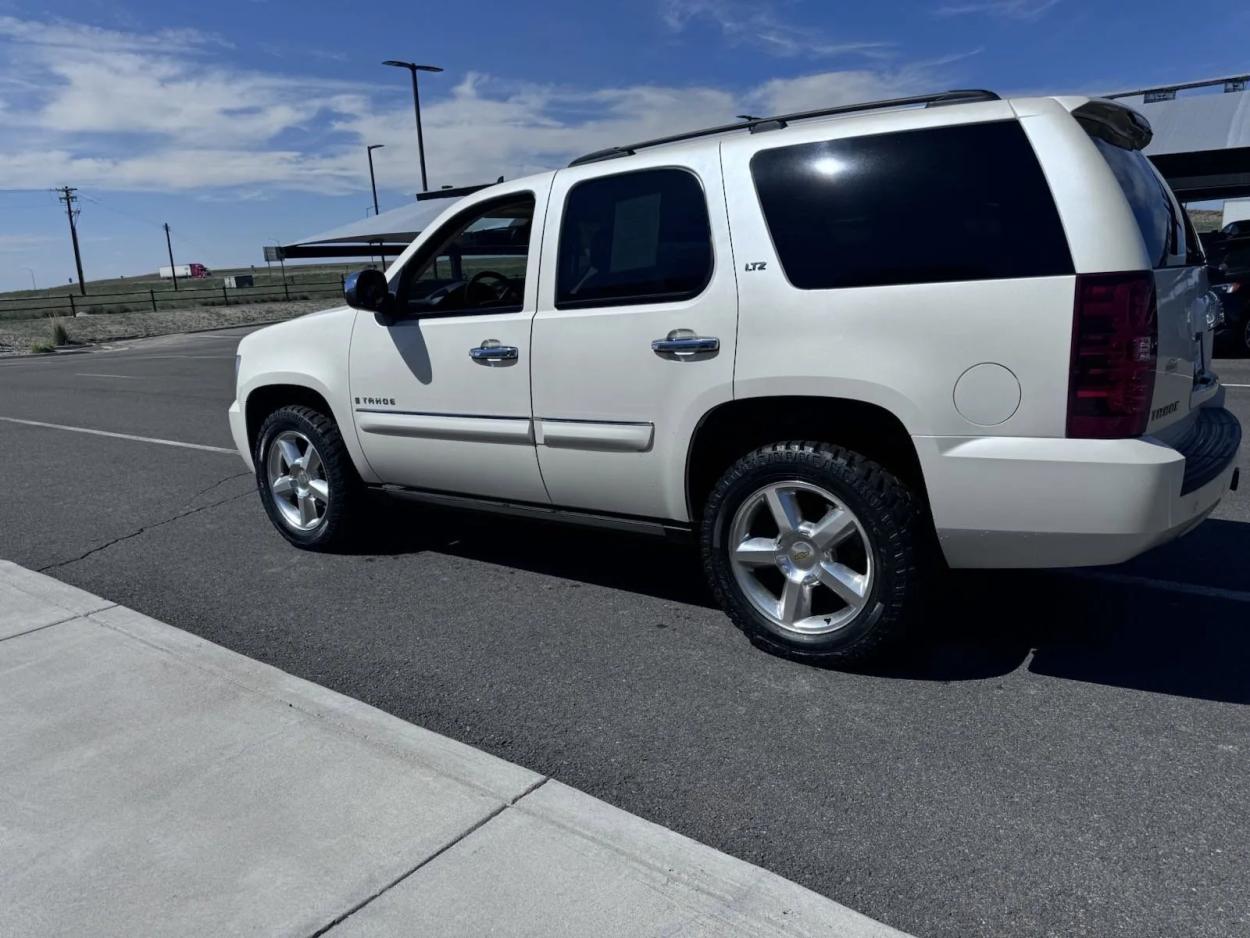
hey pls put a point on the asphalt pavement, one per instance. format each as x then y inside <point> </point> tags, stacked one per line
<point>1063,754</point>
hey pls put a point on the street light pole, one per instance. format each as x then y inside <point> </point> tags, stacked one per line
<point>416,107</point>
<point>372,181</point>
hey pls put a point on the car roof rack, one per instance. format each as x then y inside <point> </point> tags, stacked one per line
<point>757,125</point>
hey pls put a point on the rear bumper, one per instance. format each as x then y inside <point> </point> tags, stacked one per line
<point>1029,502</point>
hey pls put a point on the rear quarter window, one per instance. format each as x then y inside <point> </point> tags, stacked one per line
<point>921,206</point>
<point>1151,205</point>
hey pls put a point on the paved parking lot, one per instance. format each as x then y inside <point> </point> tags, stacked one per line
<point>1064,754</point>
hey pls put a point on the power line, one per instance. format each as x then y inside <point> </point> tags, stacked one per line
<point>126,213</point>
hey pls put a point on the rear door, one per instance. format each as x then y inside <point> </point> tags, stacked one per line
<point>1186,308</point>
<point>635,331</point>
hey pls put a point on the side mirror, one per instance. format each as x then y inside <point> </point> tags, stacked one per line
<point>368,290</point>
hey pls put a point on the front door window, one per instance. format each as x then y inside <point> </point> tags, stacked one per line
<point>476,264</point>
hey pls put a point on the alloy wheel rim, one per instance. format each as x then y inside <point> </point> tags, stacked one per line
<point>801,557</point>
<point>297,480</point>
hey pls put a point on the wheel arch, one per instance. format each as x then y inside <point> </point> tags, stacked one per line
<point>730,430</point>
<point>265,399</point>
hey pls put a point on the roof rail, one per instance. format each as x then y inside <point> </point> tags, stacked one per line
<point>762,124</point>
<point>450,192</point>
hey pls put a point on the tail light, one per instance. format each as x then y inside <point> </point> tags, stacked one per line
<point>1115,347</point>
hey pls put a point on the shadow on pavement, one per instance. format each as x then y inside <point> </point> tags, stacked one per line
<point>981,625</point>
<point>636,563</point>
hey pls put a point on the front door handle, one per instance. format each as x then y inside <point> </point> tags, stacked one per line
<point>490,352</point>
<point>683,342</point>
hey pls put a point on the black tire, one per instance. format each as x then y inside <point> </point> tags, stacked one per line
<point>338,527</point>
<point>891,516</point>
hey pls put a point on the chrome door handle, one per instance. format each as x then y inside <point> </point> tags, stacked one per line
<point>490,351</point>
<point>683,342</point>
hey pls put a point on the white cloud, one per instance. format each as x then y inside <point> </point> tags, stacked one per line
<point>114,117</point>
<point>489,126</point>
<point>1011,9</point>
<point>758,24</point>
<point>19,243</point>
<point>65,34</point>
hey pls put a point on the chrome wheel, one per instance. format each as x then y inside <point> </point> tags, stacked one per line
<point>801,557</point>
<point>297,480</point>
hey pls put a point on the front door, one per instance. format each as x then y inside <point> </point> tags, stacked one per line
<point>635,331</point>
<point>442,395</point>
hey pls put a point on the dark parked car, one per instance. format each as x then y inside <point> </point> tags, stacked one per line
<point>1230,276</point>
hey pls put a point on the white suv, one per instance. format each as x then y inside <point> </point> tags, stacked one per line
<point>839,346</point>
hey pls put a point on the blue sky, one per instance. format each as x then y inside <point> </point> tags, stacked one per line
<point>244,121</point>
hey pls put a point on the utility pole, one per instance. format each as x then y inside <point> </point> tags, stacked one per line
<point>173,271</point>
<point>67,196</point>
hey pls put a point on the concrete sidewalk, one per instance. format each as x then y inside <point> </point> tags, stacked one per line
<point>154,783</point>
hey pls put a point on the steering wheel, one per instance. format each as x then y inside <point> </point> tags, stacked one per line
<point>504,288</point>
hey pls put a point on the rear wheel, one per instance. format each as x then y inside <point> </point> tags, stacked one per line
<point>306,479</point>
<point>812,550</point>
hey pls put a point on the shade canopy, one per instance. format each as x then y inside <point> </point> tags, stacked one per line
<point>386,233</point>
<point>1201,140</point>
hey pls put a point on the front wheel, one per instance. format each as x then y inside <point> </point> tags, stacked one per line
<point>306,479</point>
<point>812,551</point>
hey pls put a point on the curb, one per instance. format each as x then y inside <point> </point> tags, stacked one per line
<point>235,797</point>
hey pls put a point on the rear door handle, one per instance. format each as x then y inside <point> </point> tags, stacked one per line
<point>683,342</point>
<point>491,352</point>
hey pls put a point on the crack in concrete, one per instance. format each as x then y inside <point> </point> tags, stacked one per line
<point>431,858</point>
<point>155,524</point>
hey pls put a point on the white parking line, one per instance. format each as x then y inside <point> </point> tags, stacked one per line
<point>216,358</point>
<point>1167,586</point>
<point>93,374</point>
<point>1237,385</point>
<point>122,436</point>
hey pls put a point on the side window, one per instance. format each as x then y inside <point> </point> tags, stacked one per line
<point>922,206</point>
<point>477,263</point>
<point>639,237</point>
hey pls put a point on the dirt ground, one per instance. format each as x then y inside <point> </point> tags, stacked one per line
<point>17,336</point>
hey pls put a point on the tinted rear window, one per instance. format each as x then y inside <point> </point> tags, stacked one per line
<point>924,206</point>
<point>640,237</point>
<point>1150,203</point>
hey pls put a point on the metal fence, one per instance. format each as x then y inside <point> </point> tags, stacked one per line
<point>153,300</point>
